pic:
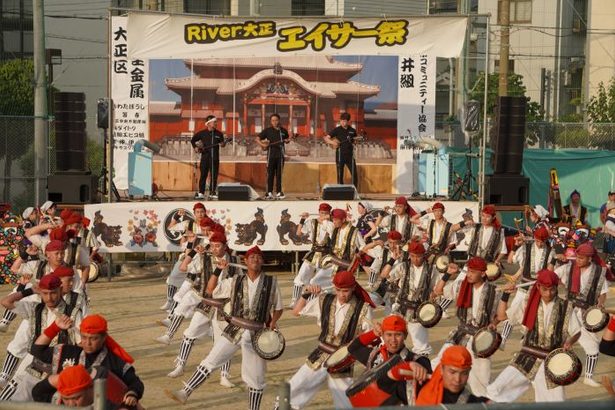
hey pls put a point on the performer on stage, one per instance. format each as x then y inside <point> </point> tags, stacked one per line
<point>448,383</point>
<point>207,142</point>
<point>273,139</point>
<point>585,281</point>
<point>345,242</point>
<point>341,316</point>
<point>403,219</point>
<point>97,349</point>
<point>320,231</point>
<point>256,297</point>
<point>487,238</point>
<point>342,138</point>
<point>416,280</point>
<point>379,345</point>
<point>477,302</point>
<point>549,325</point>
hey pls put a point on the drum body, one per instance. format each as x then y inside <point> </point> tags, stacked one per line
<point>442,262</point>
<point>563,367</point>
<point>94,271</point>
<point>364,392</point>
<point>339,360</point>
<point>595,319</point>
<point>493,272</point>
<point>268,344</point>
<point>486,342</point>
<point>429,314</point>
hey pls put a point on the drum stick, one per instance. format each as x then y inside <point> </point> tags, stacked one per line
<point>521,285</point>
<point>238,265</point>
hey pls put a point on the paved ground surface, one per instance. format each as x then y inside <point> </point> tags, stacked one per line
<point>130,303</point>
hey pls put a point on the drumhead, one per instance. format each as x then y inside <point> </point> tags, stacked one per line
<point>492,269</point>
<point>337,356</point>
<point>94,272</point>
<point>427,312</point>
<point>594,316</point>
<point>483,340</point>
<point>560,364</point>
<point>269,342</point>
<point>442,262</point>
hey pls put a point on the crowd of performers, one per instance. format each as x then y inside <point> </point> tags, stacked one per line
<point>554,300</point>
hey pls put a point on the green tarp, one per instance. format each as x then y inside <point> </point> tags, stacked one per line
<point>590,172</point>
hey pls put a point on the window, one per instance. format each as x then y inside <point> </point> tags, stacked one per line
<point>212,7</point>
<point>308,7</point>
<point>520,11</point>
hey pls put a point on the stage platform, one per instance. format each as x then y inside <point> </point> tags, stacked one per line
<point>144,226</point>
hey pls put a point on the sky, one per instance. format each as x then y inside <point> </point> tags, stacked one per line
<point>377,70</point>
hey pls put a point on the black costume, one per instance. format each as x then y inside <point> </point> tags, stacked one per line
<point>344,155</point>
<point>275,155</point>
<point>210,157</point>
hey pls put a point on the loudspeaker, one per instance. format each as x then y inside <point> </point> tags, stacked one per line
<point>332,192</point>
<point>102,113</point>
<point>234,192</point>
<point>510,135</point>
<point>507,190</point>
<point>72,188</point>
<point>70,131</point>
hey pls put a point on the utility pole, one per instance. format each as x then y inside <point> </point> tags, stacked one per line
<point>504,46</point>
<point>40,104</point>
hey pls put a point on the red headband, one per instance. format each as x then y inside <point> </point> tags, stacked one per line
<point>489,209</point>
<point>542,234</point>
<point>346,280</point>
<point>58,234</point>
<point>324,207</point>
<point>477,263</point>
<point>49,282</point>
<point>54,245</point>
<point>438,205</point>
<point>73,379</point>
<point>255,250</point>
<point>206,222</point>
<point>64,271</point>
<point>394,236</point>
<point>546,278</point>
<point>416,248</point>
<point>394,323</point>
<point>217,237</point>
<point>339,214</point>
<point>198,205</point>
<point>96,324</point>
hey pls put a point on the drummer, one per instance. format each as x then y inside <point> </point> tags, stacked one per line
<point>349,301</point>
<point>544,316</point>
<point>531,256</point>
<point>415,281</point>
<point>378,345</point>
<point>265,307</point>
<point>448,383</point>
<point>477,302</point>
<point>403,219</point>
<point>384,254</point>
<point>585,281</point>
<point>486,239</point>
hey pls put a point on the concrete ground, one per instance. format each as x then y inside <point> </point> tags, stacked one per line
<point>131,304</point>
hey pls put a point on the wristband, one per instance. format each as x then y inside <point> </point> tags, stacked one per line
<point>446,277</point>
<point>505,297</point>
<point>176,217</point>
<point>306,295</point>
<point>217,272</point>
<point>367,338</point>
<point>462,224</point>
<point>391,262</point>
<point>52,330</point>
<point>27,292</point>
<point>20,287</point>
<point>611,326</point>
<point>423,213</point>
<point>189,245</point>
<point>302,221</point>
<point>192,253</point>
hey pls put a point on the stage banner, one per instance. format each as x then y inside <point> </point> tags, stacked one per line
<point>183,36</point>
<point>129,92</point>
<point>416,117</point>
<point>272,225</point>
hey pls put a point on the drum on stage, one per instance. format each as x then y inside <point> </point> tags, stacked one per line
<point>365,391</point>
<point>563,367</point>
<point>268,344</point>
<point>442,262</point>
<point>595,319</point>
<point>493,272</point>
<point>486,342</point>
<point>339,361</point>
<point>429,314</point>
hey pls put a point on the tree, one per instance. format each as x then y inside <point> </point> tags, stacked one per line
<point>17,87</point>
<point>533,110</point>
<point>600,112</point>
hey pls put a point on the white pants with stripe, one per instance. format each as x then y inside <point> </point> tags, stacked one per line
<point>307,382</point>
<point>511,384</point>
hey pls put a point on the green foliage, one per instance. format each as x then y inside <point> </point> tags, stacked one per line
<point>601,107</point>
<point>515,89</point>
<point>95,155</point>
<point>17,87</point>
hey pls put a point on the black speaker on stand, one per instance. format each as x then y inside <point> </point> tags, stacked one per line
<point>507,186</point>
<point>339,192</point>
<point>70,183</point>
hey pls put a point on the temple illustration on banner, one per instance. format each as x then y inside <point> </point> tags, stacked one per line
<point>308,93</point>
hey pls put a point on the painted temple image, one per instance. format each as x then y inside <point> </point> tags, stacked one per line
<point>308,93</point>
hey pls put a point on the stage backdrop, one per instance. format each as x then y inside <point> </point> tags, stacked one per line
<point>144,226</point>
<point>306,70</point>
